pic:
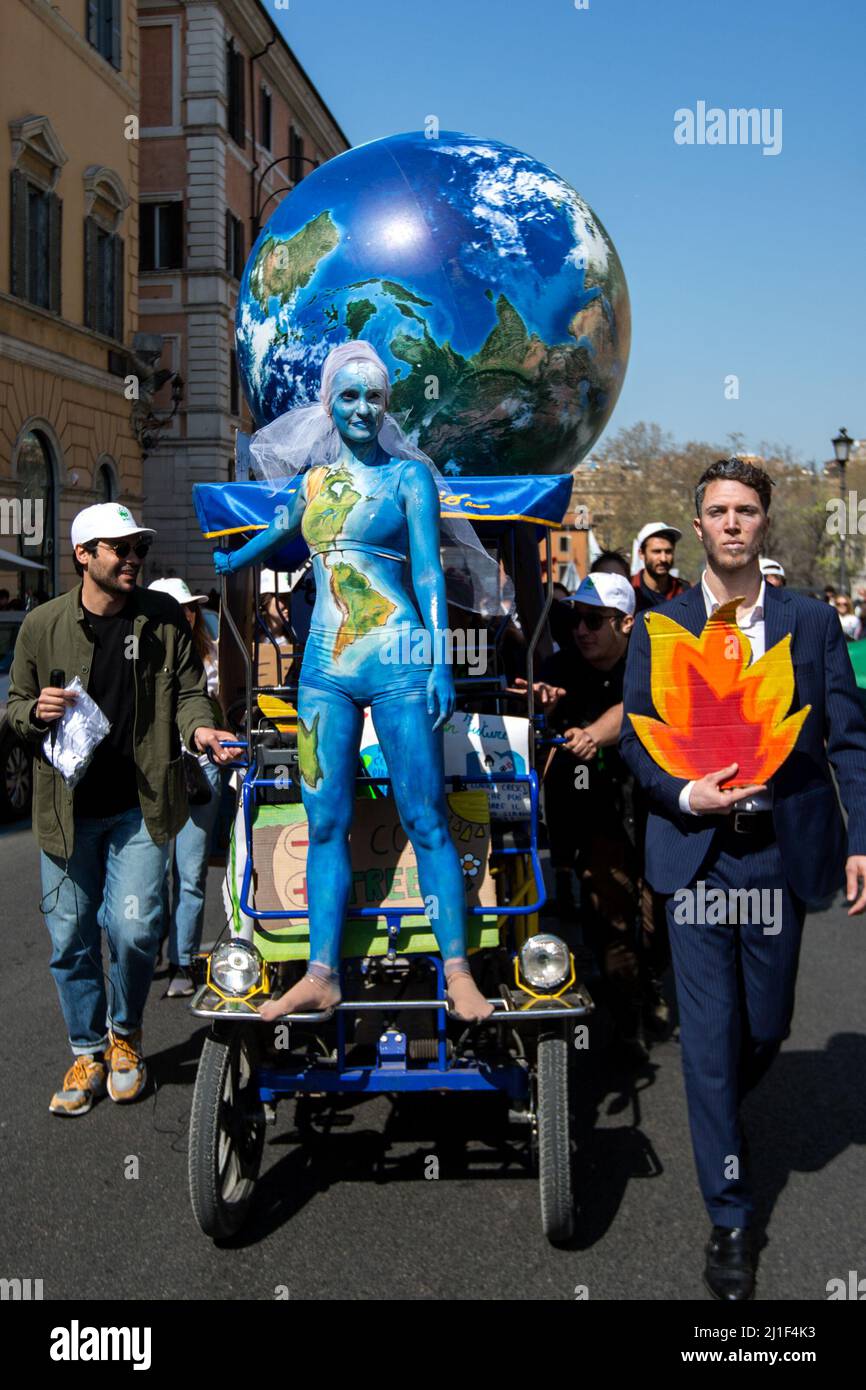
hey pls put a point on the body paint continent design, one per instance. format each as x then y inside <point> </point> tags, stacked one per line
<point>308,752</point>
<point>362,607</point>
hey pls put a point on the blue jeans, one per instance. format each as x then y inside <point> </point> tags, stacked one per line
<point>187,867</point>
<point>112,884</point>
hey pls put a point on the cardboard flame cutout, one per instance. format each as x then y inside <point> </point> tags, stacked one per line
<point>715,708</point>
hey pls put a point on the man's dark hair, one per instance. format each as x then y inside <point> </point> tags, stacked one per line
<point>79,568</point>
<point>608,558</point>
<point>4,593</point>
<point>734,471</point>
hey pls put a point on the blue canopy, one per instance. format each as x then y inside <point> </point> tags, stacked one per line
<point>230,509</point>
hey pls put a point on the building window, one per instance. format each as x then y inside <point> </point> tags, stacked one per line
<point>235,255</point>
<point>105,486</point>
<point>235,92</point>
<point>105,202</point>
<point>103,280</point>
<point>161,229</point>
<point>564,545</point>
<point>36,239</point>
<point>296,155</point>
<point>234,384</point>
<point>36,479</point>
<point>266,119</point>
<point>103,29</point>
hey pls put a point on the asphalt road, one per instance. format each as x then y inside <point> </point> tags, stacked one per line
<point>352,1215</point>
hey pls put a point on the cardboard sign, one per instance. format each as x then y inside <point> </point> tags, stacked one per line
<point>384,874</point>
<point>476,745</point>
<point>714,707</point>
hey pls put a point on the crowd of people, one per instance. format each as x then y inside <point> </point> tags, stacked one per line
<point>125,852</point>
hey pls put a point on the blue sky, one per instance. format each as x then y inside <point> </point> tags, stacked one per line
<point>738,263</point>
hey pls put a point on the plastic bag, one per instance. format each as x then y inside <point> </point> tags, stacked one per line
<point>76,736</point>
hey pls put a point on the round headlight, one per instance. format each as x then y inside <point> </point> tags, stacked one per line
<point>545,962</point>
<point>236,967</point>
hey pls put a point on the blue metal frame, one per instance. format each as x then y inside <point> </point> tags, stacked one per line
<point>252,782</point>
<point>277,1082</point>
<point>392,1071</point>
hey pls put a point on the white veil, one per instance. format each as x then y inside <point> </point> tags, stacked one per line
<point>307,436</point>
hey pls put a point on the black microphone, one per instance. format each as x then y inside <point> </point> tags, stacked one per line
<point>58,679</point>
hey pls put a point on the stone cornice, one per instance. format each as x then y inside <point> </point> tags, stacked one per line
<point>58,364</point>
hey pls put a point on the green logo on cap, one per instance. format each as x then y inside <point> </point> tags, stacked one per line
<point>123,513</point>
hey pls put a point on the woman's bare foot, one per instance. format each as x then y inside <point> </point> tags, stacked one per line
<point>312,994</point>
<point>465,999</point>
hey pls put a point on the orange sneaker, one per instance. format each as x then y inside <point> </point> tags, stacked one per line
<point>82,1085</point>
<point>127,1073</point>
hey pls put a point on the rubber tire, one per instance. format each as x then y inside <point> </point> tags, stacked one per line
<point>13,748</point>
<point>217,1217</point>
<point>554,1139</point>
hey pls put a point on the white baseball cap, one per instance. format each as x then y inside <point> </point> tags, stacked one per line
<point>106,521</point>
<point>771,567</point>
<point>179,589</point>
<point>605,591</point>
<point>658,528</point>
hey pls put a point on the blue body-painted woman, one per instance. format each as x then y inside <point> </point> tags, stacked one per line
<point>372,525</point>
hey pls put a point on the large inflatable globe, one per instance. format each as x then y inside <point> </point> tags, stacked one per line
<point>483,280</point>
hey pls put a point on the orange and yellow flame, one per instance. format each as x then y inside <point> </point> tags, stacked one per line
<point>714,707</point>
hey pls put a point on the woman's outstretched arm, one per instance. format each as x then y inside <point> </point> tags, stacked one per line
<point>285,525</point>
<point>421,500</point>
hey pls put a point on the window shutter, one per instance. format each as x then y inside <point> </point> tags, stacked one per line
<point>119,295</point>
<point>240,251</point>
<point>93,22</point>
<point>147,248</point>
<point>229,242</point>
<point>91,277</point>
<point>18,248</point>
<point>174,212</point>
<point>234,395</point>
<point>116,60</point>
<point>55,251</point>
<point>241,84</point>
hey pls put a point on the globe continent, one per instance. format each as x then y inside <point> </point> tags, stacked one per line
<point>484,281</point>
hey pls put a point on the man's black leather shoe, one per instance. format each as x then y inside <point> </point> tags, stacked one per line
<point>730,1269</point>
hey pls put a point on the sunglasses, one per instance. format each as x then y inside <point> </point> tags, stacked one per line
<point>122,548</point>
<point>591,621</point>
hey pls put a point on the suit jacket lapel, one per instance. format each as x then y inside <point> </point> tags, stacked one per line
<point>689,610</point>
<point>778,616</point>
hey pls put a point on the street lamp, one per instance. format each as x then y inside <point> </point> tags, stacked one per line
<point>842,448</point>
<point>293,159</point>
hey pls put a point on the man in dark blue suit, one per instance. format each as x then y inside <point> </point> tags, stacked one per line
<point>735,951</point>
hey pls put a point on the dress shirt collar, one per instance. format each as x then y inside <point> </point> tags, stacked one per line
<point>712,603</point>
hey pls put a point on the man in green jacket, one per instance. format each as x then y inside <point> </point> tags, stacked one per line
<point>104,845</point>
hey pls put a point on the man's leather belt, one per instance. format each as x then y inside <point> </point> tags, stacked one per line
<point>749,825</point>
